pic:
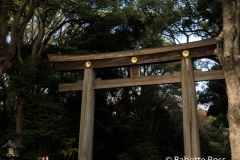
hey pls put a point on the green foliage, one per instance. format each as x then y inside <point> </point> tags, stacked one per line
<point>215,139</point>
<point>34,82</point>
<point>214,132</point>
<point>210,12</point>
<point>214,96</point>
<point>42,116</point>
<point>124,156</point>
<point>69,150</point>
<point>145,151</point>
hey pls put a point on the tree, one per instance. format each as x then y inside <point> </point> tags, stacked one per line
<point>32,23</point>
<point>177,19</point>
<point>4,17</point>
<point>229,57</point>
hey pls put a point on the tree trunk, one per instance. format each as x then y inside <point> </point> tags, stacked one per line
<point>4,63</point>
<point>19,119</point>
<point>233,92</point>
<point>228,54</point>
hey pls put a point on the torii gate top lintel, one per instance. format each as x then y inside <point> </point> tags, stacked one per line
<point>197,49</point>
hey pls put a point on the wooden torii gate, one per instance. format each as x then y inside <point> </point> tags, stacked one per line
<point>134,58</point>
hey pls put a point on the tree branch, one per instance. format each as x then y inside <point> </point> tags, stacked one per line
<point>228,28</point>
<point>219,50</point>
<point>19,53</point>
<point>15,30</point>
<point>236,30</point>
<point>29,16</point>
<point>41,33</point>
<point>46,40</point>
<point>4,7</point>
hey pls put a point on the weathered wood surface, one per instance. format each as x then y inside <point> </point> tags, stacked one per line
<point>87,117</point>
<point>155,57</point>
<point>190,117</point>
<point>138,81</point>
<point>122,54</point>
<point>135,71</point>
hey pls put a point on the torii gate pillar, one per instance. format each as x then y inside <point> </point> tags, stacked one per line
<point>87,116</point>
<point>190,116</point>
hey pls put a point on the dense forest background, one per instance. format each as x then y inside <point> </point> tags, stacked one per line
<point>131,123</point>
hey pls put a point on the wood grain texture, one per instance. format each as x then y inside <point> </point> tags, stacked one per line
<point>87,117</point>
<point>121,54</point>
<point>138,81</point>
<point>190,117</point>
<point>200,52</point>
<point>135,71</point>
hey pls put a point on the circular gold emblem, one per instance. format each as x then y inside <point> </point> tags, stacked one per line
<point>88,64</point>
<point>134,59</point>
<point>185,53</point>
